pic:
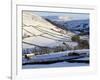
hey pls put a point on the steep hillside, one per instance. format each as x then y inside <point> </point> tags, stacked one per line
<point>39,32</point>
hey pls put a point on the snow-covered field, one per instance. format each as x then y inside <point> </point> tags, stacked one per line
<point>57,56</point>
<point>37,30</point>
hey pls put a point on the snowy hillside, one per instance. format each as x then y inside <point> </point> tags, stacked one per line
<point>39,32</point>
<point>52,42</point>
<point>78,26</point>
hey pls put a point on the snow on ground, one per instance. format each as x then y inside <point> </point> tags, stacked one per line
<point>85,37</point>
<point>56,56</point>
<point>57,64</point>
<point>41,41</point>
<point>42,32</point>
<point>62,53</point>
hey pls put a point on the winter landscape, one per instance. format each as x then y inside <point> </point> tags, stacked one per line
<point>55,39</point>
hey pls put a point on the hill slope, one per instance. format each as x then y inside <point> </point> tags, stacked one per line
<point>39,32</point>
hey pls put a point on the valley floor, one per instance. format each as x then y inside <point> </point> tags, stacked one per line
<point>52,62</point>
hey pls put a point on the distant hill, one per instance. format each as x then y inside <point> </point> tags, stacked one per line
<point>80,27</point>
